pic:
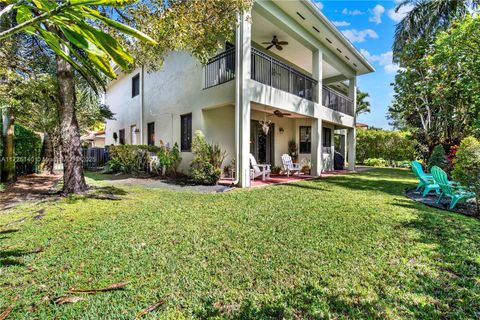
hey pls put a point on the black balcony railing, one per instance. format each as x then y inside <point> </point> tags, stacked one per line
<point>220,69</point>
<point>272,72</point>
<point>337,101</point>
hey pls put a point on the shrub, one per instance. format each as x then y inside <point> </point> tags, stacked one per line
<point>393,146</point>
<point>130,158</point>
<point>438,158</point>
<point>206,166</point>
<point>376,162</point>
<point>168,158</point>
<point>466,168</point>
<point>402,164</point>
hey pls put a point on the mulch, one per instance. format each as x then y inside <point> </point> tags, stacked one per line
<point>468,209</point>
<point>32,187</point>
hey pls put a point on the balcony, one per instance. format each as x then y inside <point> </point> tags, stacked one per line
<point>272,72</point>
<point>337,101</point>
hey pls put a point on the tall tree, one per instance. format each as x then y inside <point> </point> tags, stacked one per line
<point>192,25</point>
<point>73,31</point>
<point>437,91</point>
<point>427,17</point>
<point>196,26</point>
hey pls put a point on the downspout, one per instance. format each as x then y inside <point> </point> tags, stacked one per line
<point>142,81</point>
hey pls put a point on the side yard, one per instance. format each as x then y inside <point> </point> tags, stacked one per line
<point>347,246</point>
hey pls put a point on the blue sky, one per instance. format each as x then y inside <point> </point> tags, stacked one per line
<point>370,26</point>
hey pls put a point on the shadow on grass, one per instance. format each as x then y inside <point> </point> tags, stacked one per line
<point>360,182</point>
<point>303,302</point>
<point>108,190</point>
<point>446,245</point>
<point>12,257</point>
<point>455,246</point>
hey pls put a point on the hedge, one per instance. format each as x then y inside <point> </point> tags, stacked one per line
<point>393,146</point>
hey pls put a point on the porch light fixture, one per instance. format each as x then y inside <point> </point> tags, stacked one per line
<point>265,124</point>
<point>281,130</point>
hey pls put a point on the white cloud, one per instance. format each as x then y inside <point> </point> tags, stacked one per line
<point>354,12</point>
<point>376,14</point>
<point>398,16</point>
<point>359,35</point>
<point>385,60</point>
<point>341,23</point>
<point>319,5</point>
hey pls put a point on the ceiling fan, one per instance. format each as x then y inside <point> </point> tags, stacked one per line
<point>280,114</point>
<point>275,43</point>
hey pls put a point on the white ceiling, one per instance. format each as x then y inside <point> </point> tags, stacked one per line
<point>264,30</point>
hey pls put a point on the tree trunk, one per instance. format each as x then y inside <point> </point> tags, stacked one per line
<point>73,179</point>
<point>48,154</point>
<point>8,168</point>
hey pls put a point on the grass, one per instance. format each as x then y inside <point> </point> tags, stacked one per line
<point>341,247</point>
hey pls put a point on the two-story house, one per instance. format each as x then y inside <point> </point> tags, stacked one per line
<point>294,84</point>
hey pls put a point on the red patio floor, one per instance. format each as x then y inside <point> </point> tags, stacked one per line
<point>281,179</point>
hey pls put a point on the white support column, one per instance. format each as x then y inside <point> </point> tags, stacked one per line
<point>317,74</point>
<point>351,132</point>
<point>317,152</point>
<point>242,97</point>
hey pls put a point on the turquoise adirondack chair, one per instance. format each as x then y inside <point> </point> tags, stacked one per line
<point>426,183</point>
<point>449,188</point>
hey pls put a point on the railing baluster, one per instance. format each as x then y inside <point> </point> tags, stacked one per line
<point>221,69</point>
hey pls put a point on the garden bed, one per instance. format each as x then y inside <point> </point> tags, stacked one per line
<point>465,208</point>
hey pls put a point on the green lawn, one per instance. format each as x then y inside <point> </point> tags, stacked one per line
<point>341,247</point>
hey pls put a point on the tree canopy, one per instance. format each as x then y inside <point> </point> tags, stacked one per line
<point>437,90</point>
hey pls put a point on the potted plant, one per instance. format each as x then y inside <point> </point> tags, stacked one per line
<point>293,150</point>
<point>276,170</point>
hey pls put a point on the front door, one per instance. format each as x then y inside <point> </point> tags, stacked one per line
<point>261,145</point>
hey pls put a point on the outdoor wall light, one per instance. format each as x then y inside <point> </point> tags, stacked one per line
<point>281,130</point>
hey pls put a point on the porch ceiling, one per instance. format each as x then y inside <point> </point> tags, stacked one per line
<point>269,111</point>
<point>263,31</point>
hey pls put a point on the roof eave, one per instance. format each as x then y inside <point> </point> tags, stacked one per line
<point>337,32</point>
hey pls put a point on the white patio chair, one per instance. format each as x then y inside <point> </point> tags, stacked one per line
<point>289,166</point>
<point>259,169</point>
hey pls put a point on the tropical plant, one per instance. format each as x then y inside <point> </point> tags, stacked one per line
<point>467,167</point>
<point>363,105</point>
<point>206,166</point>
<point>426,17</point>
<point>438,158</point>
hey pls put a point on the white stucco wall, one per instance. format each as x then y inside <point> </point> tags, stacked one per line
<point>175,90</point>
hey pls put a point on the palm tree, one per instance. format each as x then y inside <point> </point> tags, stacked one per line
<point>427,17</point>
<point>363,106</point>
